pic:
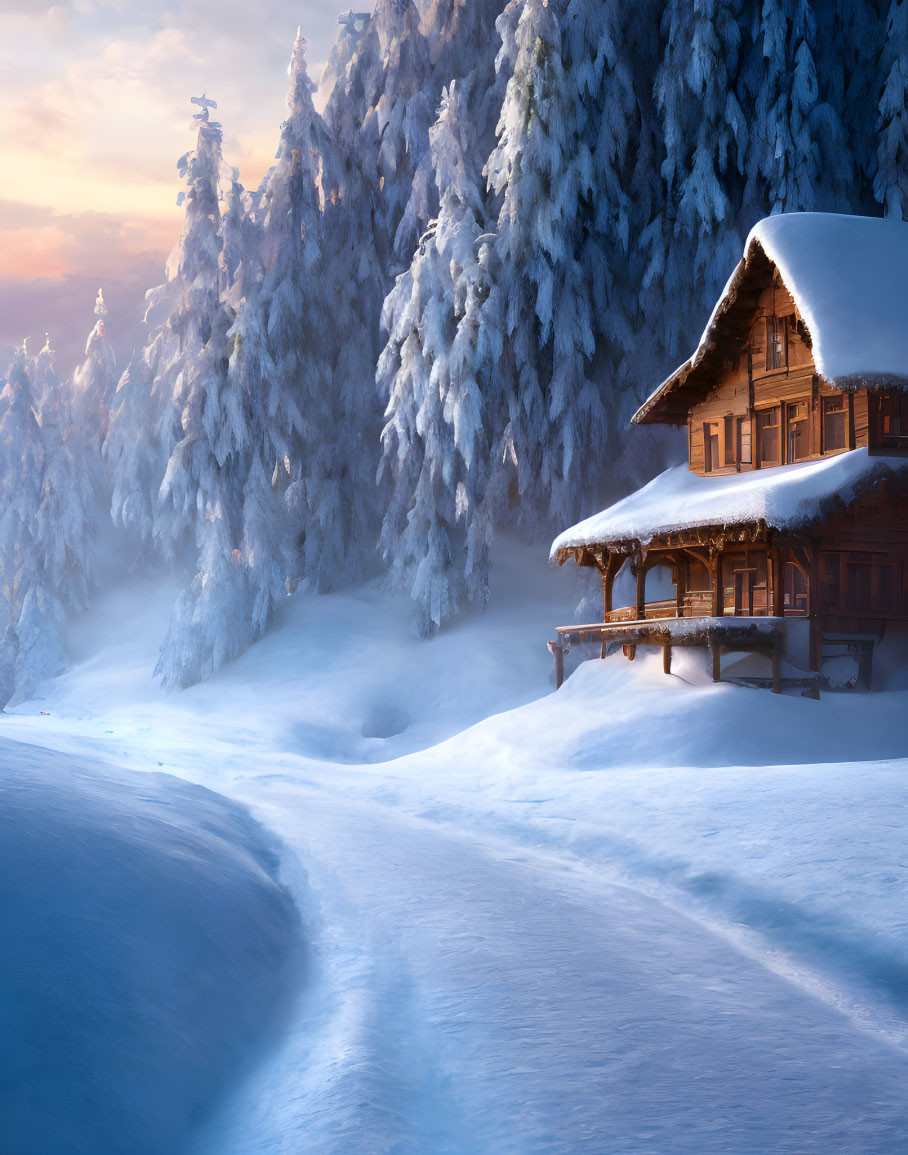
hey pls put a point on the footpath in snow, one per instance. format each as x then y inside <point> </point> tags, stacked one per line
<point>636,915</point>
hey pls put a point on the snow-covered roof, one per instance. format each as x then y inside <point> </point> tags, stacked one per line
<point>849,279</point>
<point>785,497</point>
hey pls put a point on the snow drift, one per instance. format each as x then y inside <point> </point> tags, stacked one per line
<point>145,954</point>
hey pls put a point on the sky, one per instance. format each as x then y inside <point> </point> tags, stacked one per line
<point>94,114</point>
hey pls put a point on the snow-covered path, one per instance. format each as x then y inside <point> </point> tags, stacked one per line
<point>632,916</point>
<point>471,997</point>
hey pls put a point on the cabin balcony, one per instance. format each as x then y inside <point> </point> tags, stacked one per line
<point>662,626</point>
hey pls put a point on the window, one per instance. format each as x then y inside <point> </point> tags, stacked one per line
<point>798,431</point>
<point>731,456</point>
<point>869,585</point>
<point>858,585</point>
<point>711,457</point>
<point>698,577</point>
<point>894,418</point>
<point>776,342</point>
<point>745,453</point>
<point>768,443</point>
<point>830,581</point>
<point>794,587</point>
<point>835,417</point>
<point>745,589</point>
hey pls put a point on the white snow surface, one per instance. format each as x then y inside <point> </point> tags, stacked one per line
<point>785,497</point>
<point>644,913</point>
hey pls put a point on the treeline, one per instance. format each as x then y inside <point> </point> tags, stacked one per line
<point>434,318</point>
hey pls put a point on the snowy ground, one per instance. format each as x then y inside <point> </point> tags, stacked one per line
<point>643,914</point>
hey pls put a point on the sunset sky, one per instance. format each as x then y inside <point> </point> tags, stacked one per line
<point>95,98</point>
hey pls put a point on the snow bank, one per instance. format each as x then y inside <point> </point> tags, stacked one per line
<point>143,955</point>
<point>786,497</point>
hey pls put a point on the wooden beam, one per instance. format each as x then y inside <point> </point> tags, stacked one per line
<point>715,577</point>
<point>813,607</point>
<point>640,574</point>
<point>778,604</point>
<point>556,649</point>
<point>666,659</point>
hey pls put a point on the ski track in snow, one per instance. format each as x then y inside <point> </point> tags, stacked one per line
<point>504,1003</point>
<point>551,932</point>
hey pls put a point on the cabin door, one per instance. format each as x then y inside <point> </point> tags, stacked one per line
<point>744,592</point>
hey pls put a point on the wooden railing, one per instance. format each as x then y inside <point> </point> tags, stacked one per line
<point>651,612</point>
<point>662,627</point>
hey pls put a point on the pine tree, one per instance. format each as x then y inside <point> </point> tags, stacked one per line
<point>436,532</point>
<point>696,234</point>
<point>380,113</point>
<point>541,303</point>
<point>319,361</point>
<point>891,182</point>
<point>94,382</point>
<point>152,394</point>
<point>31,648</point>
<point>45,381</point>
<point>803,156</point>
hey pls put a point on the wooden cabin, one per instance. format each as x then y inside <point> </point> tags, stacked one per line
<point>787,531</point>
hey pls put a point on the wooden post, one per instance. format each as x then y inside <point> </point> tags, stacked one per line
<point>778,604</point>
<point>715,563</point>
<point>666,659</point>
<point>640,574</point>
<point>629,650</point>
<point>557,651</point>
<point>680,572</point>
<point>813,605</point>
<point>608,584</point>
<point>716,650</point>
<point>849,431</point>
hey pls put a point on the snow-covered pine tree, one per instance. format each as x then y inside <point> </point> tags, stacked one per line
<point>45,381</point>
<point>318,305</point>
<point>848,73</point>
<point>31,648</point>
<point>891,181</point>
<point>696,233</point>
<point>380,112</point>
<point>610,53</point>
<point>94,382</point>
<point>541,302</point>
<point>70,510</point>
<point>436,531</point>
<point>804,159</point>
<point>151,395</point>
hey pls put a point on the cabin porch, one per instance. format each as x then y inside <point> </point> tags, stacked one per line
<point>763,635</point>
<point>729,592</point>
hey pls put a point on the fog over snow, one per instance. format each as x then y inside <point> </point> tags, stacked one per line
<point>300,850</point>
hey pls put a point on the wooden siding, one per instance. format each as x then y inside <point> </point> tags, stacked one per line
<point>747,387</point>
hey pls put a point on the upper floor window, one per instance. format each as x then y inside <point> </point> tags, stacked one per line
<point>776,342</point>
<point>797,416</point>
<point>894,418</point>
<point>769,443</point>
<point>835,423</point>
<point>726,443</point>
<point>711,446</point>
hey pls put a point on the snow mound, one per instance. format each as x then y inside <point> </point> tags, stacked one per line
<point>144,956</point>
<point>786,497</point>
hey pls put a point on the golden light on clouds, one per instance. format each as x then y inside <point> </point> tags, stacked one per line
<point>96,106</point>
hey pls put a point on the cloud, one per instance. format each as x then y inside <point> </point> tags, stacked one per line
<point>96,112</point>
